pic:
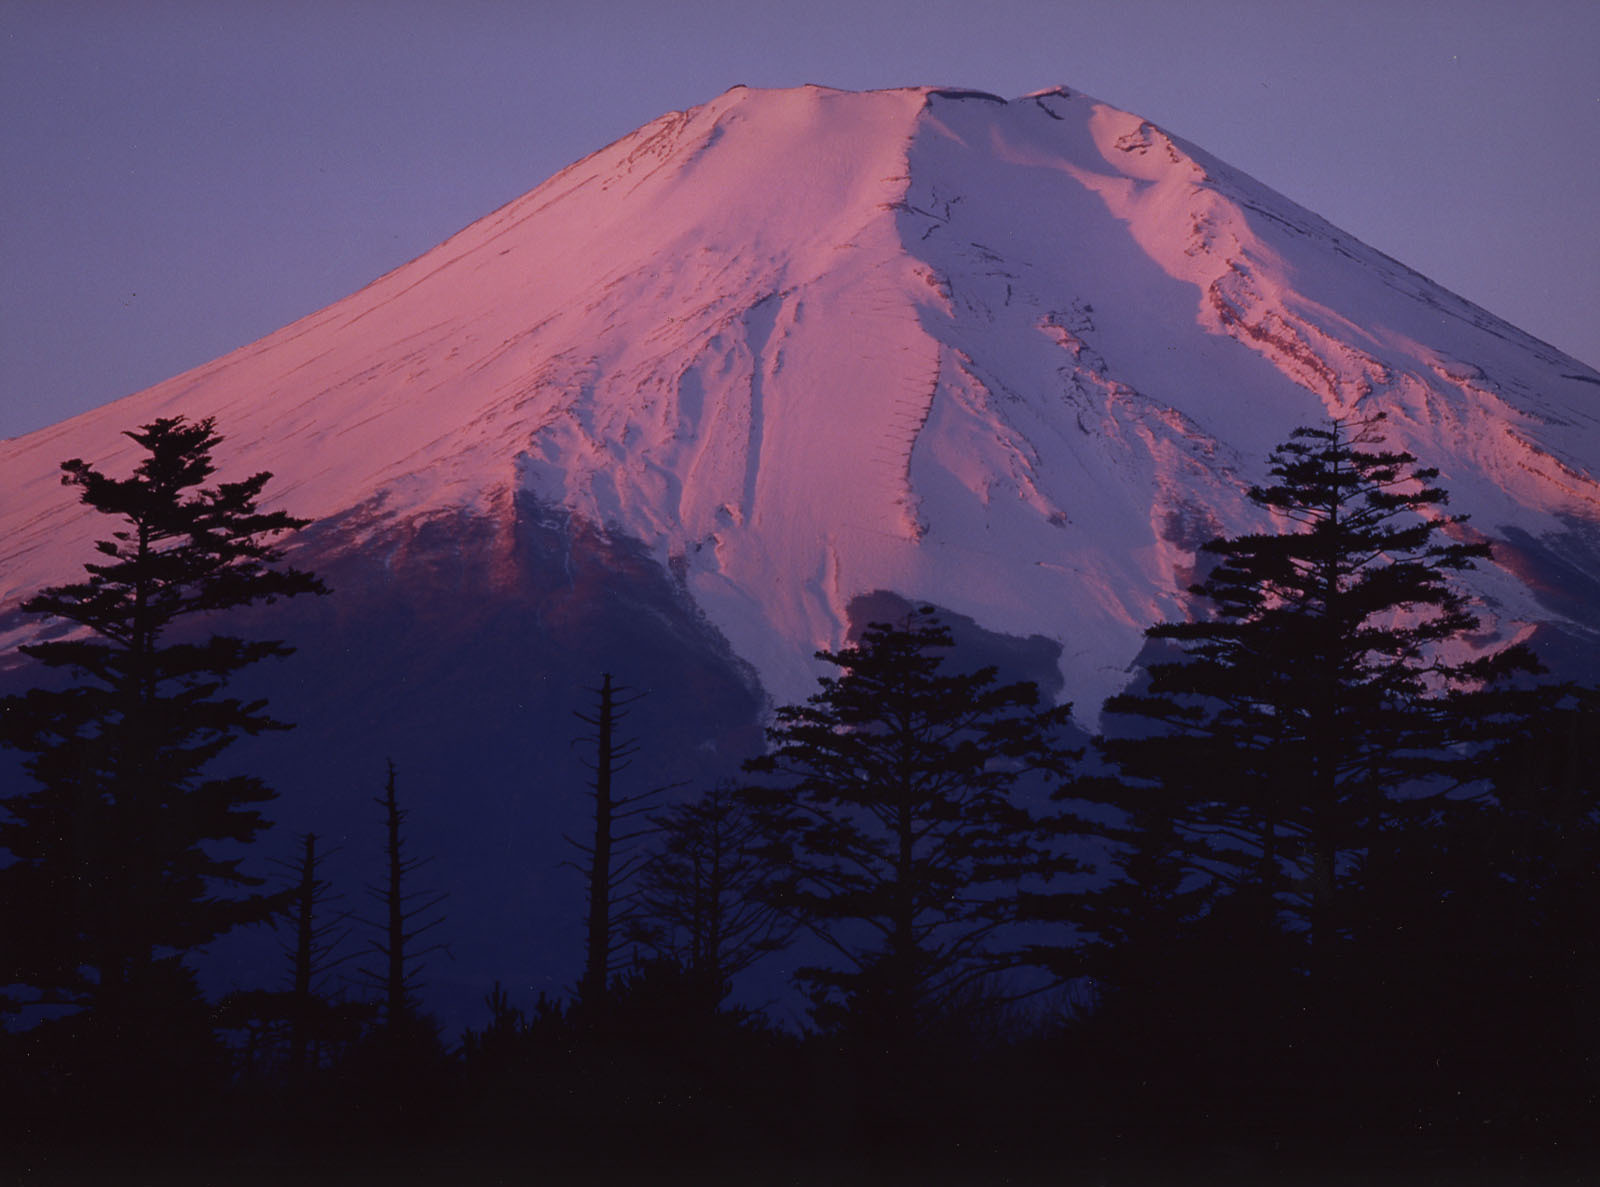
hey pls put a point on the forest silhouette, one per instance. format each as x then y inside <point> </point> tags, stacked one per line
<point>1321,895</point>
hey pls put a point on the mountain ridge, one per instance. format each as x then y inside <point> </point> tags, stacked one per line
<point>711,397</point>
<point>807,344</point>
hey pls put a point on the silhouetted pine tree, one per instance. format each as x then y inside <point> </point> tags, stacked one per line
<point>290,1029</point>
<point>895,833</point>
<point>611,857</point>
<point>703,897</point>
<point>409,914</point>
<point>1321,746</point>
<point>1141,921</point>
<point>1314,711</point>
<point>1191,984</point>
<point>1517,959</point>
<point>319,935</point>
<point>399,1074</point>
<point>117,870</point>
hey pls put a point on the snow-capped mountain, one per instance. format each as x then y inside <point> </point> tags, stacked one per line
<point>700,402</point>
<point>1013,358</point>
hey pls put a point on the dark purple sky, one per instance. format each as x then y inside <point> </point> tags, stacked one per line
<point>181,177</point>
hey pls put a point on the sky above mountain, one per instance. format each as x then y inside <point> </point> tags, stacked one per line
<point>182,178</point>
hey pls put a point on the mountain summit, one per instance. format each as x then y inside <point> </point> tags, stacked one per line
<point>1017,359</point>
<point>706,399</point>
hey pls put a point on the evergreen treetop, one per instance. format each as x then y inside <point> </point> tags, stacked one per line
<point>895,826</point>
<point>117,870</point>
<point>1324,695</point>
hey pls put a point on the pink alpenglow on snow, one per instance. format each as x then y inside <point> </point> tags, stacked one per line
<point>1017,359</point>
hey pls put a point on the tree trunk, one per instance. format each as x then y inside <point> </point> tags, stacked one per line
<point>303,954</point>
<point>598,956</point>
<point>395,980</point>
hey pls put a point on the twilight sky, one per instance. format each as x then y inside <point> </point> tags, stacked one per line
<point>181,177</point>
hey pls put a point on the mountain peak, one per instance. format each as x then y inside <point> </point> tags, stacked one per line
<point>1017,359</point>
<point>712,397</point>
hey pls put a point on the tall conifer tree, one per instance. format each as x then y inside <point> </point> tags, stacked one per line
<point>118,870</point>
<point>1316,712</point>
<point>897,834</point>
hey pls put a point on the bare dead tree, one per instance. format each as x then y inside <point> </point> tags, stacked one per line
<point>314,950</point>
<point>408,915</point>
<point>611,857</point>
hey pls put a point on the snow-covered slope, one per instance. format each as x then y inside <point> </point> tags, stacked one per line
<point>1014,358</point>
<point>704,400</point>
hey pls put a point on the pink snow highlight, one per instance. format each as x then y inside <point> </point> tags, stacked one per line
<point>1019,360</point>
